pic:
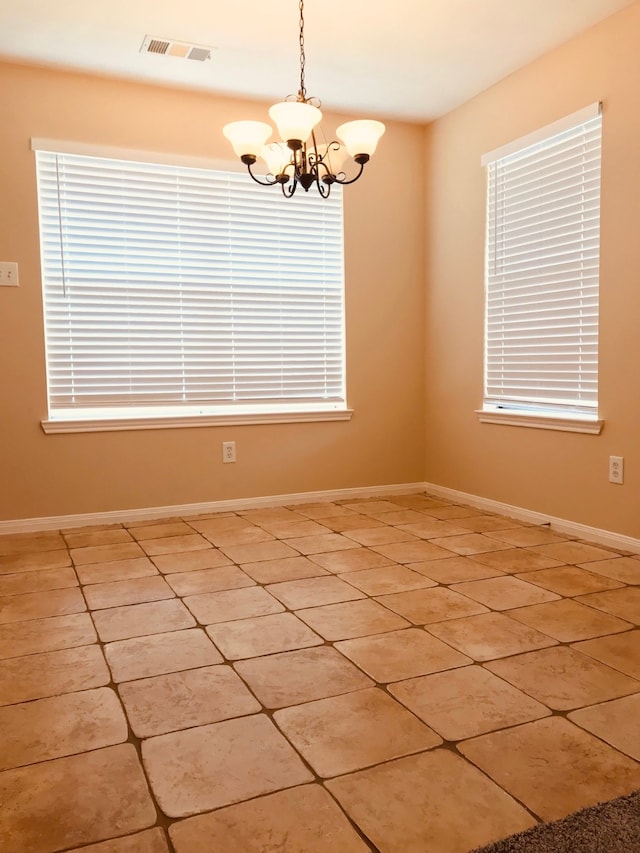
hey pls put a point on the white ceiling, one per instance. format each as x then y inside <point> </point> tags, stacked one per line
<point>411,59</point>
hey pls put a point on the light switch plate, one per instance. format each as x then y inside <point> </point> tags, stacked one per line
<point>8,274</point>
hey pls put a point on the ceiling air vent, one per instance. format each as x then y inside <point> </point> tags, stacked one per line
<point>181,49</point>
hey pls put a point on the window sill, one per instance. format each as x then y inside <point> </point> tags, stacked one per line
<point>592,426</point>
<point>52,426</point>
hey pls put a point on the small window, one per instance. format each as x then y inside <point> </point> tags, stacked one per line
<point>172,291</point>
<point>542,272</point>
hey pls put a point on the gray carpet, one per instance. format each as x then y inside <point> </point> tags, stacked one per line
<point>612,827</point>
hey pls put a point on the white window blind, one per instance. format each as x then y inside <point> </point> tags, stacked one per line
<point>542,272</point>
<point>175,290</point>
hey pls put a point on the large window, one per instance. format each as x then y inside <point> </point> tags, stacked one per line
<point>542,273</point>
<point>179,292</point>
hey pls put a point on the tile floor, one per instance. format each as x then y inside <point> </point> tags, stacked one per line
<point>400,675</point>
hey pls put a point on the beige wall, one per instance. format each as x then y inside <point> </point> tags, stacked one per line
<point>562,474</point>
<point>44,475</point>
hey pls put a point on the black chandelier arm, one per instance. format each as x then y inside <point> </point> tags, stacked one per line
<point>263,183</point>
<point>344,182</point>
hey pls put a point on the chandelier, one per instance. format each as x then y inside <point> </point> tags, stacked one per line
<point>299,159</point>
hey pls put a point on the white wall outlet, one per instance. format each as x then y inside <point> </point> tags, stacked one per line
<point>228,451</point>
<point>616,469</point>
<point>8,274</point>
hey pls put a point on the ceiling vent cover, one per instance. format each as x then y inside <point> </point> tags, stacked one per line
<point>171,47</point>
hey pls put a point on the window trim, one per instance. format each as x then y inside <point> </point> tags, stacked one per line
<point>274,413</point>
<point>512,415</point>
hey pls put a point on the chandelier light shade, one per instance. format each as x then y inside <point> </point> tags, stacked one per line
<point>299,159</point>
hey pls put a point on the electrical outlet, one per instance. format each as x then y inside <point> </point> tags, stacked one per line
<point>616,469</point>
<point>8,274</point>
<point>228,451</point>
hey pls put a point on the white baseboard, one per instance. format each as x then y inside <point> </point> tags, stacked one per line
<point>560,525</point>
<point>58,522</point>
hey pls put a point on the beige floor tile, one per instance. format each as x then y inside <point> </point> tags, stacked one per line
<point>505,593</point>
<point>161,530</point>
<point>93,528</point>
<point>291,529</point>
<point>41,581</point>
<point>411,552</point>
<point>259,551</point>
<point>209,580</point>
<point>29,543</point>
<point>516,560</point>
<point>616,722</point>
<point>211,766</point>
<point>553,767</point>
<point>113,536</point>
<point>451,511</point>
<point>240,536</point>
<point>621,651</point>
<point>572,552</point>
<point>386,580</point>
<point>262,635</point>
<point>291,678</point>
<point>150,841</point>
<point>378,535</point>
<point>569,621</point>
<point>213,526</point>
<point>160,653</point>
<point>623,569</point>
<point>117,570</point>
<point>429,528</point>
<point>521,537</point>
<point>12,563</point>
<point>80,800</point>
<point>191,561</point>
<point>350,619</point>
<point>401,654</point>
<point>488,523</point>
<point>61,725</point>
<point>322,510</point>
<point>272,515</point>
<point>422,606</point>
<point>231,604</point>
<point>350,732</point>
<point>138,620</point>
<point>398,517</point>
<point>41,605</point>
<point>342,523</point>
<point>175,544</point>
<point>313,592</point>
<point>351,560</point>
<point>105,553</point>
<point>320,544</point>
<point>133,591</point>
<point>287,569</point>
<point>46,635</point>
<point>52,674</point>
<point>372,506</point>
<point>458,807</point>
<point>182,700</point>
<point>569,580</point>
<point>563,678</point>
<point>470,543</point>
<point>490,636</point>
<point>454,570</point>
<point>624,603</point>
<point>466,702</point>
<point>300,820</point>
<point>418,501</point>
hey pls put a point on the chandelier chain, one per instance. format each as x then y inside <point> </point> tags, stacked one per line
<point>302,94</point>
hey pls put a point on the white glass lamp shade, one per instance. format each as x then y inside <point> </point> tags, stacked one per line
<point>277,156</point>
<point>360,137</point>
<point>295,120</point>
<point>247,137</point>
